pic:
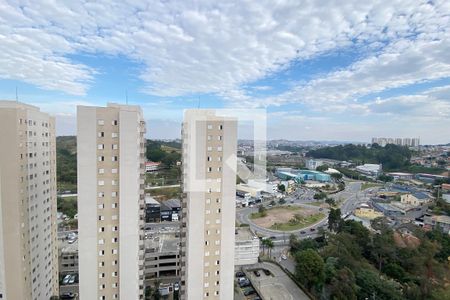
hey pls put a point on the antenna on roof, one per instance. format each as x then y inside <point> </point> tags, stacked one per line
<point>17,95</point>
<point>126,96</point>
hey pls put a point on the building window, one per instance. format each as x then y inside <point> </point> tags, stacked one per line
<point>114,135</point>
<point>220,127</point>
<point>210,126</point>
<point>101,171</point>
<point>219,137</point>
<point>113,194</point>
<point>101,195</point>
<point>101,122</point>
<point>101,158</point>
<point>114,158</point>
<point>219,148</point>
<point>101,146</point>
<point>209,137</point>
<point>115,146</point>
<point>101,134</point>
<point>115,122</point>
<point>114,171</point>
<point>114,205</point>
<point>101,182</point>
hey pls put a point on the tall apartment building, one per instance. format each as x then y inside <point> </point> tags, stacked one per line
<point>111,148</point>
<point>208,222</point>
<point>28,230</point>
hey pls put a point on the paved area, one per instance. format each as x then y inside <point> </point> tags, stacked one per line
<point>277,286</point>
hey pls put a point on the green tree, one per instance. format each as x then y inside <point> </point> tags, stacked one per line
<point>330,201</point>
<point>322,168</point>
<point>281,188</point>
<point>336,176</point>
<point>343,285</point>
<point>334,219</point>
<point>310,268</point>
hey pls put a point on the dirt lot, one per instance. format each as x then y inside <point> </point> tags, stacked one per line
<point>281,215</point>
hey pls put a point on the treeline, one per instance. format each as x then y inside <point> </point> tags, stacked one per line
<point>66,162</point>
<point>355,263</point>
<point>168,153</point>
<point>392,157</point>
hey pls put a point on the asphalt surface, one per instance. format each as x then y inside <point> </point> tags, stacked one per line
<point>350,196</point>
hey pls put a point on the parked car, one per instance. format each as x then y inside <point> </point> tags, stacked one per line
<point>283,257</point>
<point>302,232</point>
<point>244,283</point>
<point>256,272</point>
<point>249,292</point>
<point>267,272</point>
<point>312,229</point>
<point>176,286</point>
<point>66,279</point>
<point>240,279</point>
<point>72,279</point>
<point>240,274</point>
<point>67,296</point>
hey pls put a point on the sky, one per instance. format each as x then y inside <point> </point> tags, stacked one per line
<point>323,70</point>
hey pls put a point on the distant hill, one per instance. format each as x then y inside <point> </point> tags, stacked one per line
<point>392,157</point>
<point>66,162</point>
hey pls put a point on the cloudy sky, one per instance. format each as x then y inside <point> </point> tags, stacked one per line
<point>324,70</point>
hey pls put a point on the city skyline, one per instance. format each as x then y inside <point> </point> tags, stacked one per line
<point>364,70</point>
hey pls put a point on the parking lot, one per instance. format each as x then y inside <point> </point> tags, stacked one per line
<point>276,286</point>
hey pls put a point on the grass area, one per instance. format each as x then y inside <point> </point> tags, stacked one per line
<point>170,149</point>
<point>164,177</point>
<point>67,205</point>
<point>298,222</point>
<point>316,203</point>
<point>257,215</point>
<point>368,185</point>
<point>166,193</point>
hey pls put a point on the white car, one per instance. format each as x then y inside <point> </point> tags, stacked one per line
<point>283,257</point>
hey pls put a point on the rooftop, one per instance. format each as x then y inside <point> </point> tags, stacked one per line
<point>163,243</point>
<point>66,247</point>
<point>244,234</point>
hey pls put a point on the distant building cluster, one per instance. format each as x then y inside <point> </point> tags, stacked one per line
<point>409,142</point>
<point>370,169</point>
<point>302,175</point>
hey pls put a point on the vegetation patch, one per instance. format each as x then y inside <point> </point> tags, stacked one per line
<point>67,206</point>
<point>165,193</point>
<point>368,185</point>
<point>298,222</point>
<point>285,218</point>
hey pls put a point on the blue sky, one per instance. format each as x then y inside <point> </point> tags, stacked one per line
<point>322,71</point>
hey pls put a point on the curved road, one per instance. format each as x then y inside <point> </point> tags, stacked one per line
<point>300,198</point>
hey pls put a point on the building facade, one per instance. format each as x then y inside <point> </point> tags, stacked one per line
<point>28,230</point>
<point>111,147</point>
<point>208,222</point>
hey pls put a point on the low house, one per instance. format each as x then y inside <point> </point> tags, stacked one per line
<point>170,210</point>
<point>152,210</point>
<point>442,222</point>
<point>367,212</point>
<point>415,199</point>
<point>151,166</point>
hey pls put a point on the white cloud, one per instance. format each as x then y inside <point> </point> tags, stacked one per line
<point>192,47</point>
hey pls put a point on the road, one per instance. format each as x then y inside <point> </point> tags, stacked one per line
<point>351,196</point>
